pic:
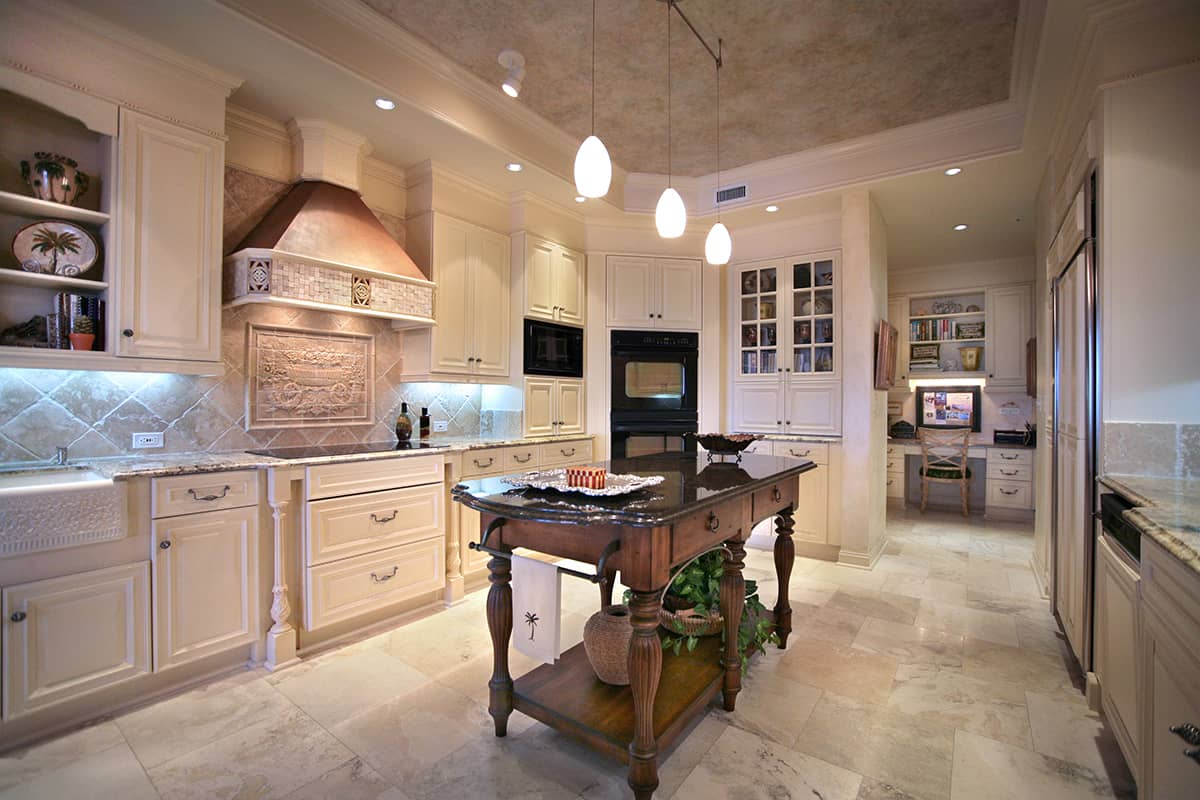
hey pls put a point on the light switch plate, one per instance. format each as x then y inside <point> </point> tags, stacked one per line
<point>142,441</point>
<point>440,426</point>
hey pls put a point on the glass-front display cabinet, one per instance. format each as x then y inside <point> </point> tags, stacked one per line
<point>787,318</point>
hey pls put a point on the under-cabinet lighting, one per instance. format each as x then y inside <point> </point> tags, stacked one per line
<point>384,103</point>
<point>954,170</point>
<point>913,383</point>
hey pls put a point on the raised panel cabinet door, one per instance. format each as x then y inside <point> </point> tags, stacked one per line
<point>898,317</point>
<point>1116,639</point>
<point>812,408</point>
<point>756,408</point>
<point>491,289</point>
<point>569,401</point>
<point>1174,700</point>
<point>1009,327</point>
<point>812,506</point>
<point>1072,342</point>
<point>452,301</point>
<point>679,295</point>
<point>205,584</point>
<point>539,406</point>
<point>630,292</point>
<point>540,265</point>
<point>570,284</point>
<point>167,265</point>
<point>67,636</point>
<point>473,561</point>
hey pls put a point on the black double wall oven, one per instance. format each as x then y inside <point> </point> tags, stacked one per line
<point>654,392</point>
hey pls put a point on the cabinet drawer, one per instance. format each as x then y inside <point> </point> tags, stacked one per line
<point>344,589</point>
<point>721,523</point>
<point>895,484</point>
<point>777,496</point>
<point>895,465</point>
<point>817,452</point>
<point>1004,471</point>
<point>187,494</point>
<point>341,527</point>
<point>1010,494</point>
<point>478,463</point>
<point>332,480</point>
<point>520,458</point>
<point>557,454</point>
<point>997,455</point>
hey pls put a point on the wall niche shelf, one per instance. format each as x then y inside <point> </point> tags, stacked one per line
<point>37,279</point>
<point>33,208</point>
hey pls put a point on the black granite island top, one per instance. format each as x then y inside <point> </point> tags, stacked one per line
<point>692,483</point>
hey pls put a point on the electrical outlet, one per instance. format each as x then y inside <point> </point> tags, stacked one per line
<point>142,441</point>
<point>440,426</point>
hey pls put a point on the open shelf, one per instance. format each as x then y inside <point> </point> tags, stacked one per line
<point>37,279</point>
<point>951,316</point>
<point>34,208</point>
<point>946,341</point>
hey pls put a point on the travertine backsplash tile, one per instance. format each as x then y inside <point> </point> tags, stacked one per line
<point>1152,449</point>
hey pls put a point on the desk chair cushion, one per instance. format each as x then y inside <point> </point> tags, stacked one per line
<point>945,473</point>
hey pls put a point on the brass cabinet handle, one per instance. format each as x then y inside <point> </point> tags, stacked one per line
<point>890,481</point>
<point>1008,492</point>
<point>714,522</point>
<point>382,520</point>
<point>524,460</point>
<point>1007,457</point>
<point>387,577</point>
<point>1186,731</point>
<point>209,497</point>
<point>481,465</point>
<point>798,455</point>
<point>563,450</point>
<point>1008,472</point>
<point>18,616</point>
<point>776,495</point>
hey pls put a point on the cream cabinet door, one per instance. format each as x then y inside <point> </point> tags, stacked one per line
<point>898,317</point>
<point>205,584</point>
<point>630,292</point>
<point>539,406</point>
<point>67,636</point>
<point>570,284</point>
<point>812,506</point>
<point>756,408</point>
<point>541,264</point>
<point>1173,698</point>
<point>569,402</point>
<point>473,561</point>
<point>490,291</point>
<point>811,407</point>
<point>1009,326</point>
<point>452,272</point>
<point>168,261</point>
<point>1116,650</point>
<point>1073,525</point>
<point>678,294</point>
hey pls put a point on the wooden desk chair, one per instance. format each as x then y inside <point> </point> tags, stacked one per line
<point>944,460</point>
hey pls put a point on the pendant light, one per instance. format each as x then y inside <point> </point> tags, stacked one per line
<point>670,216</point>
<point>593,167</point>
<point>718,246</point>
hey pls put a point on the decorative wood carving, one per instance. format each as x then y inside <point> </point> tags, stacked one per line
<point>785,556</point>
<point>281,608</point>
<point>645,670</point>
<point>733,602</point>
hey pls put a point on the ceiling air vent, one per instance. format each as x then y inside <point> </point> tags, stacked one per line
<point>730,193</point>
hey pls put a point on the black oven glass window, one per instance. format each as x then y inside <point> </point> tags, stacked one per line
<point>654,379</point>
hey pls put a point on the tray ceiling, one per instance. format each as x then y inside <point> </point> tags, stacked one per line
<point>797,75</point>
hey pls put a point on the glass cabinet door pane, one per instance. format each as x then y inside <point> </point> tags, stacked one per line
<point>766,337</point>
<point>802,332</point>
<point>749,309</point>
<point>823,302</point>
<point>824,331</point>
<point>801,276</point>
<point>823,359</point>
<point>749,336</point>
<point>749,362</point>
<point>766,307</point>
<point>802,359</point>
<point>766,280</point>
<point>768,361</point>
<point>750,282</point>
<point>823,273</point>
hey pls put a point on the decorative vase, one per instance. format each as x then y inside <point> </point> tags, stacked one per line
<point>54,177</point>
<point>81,341</point>
<point>606,640</point>
<point>970,357</point>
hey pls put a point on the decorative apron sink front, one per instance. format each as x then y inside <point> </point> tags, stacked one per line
<point>49,509</point>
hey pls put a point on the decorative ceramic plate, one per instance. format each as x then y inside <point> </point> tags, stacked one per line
<point>556,479</point>
<point>53,247</point>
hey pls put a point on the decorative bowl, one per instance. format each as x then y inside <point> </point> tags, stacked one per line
<point>54,177</point>
<point>725,443</point>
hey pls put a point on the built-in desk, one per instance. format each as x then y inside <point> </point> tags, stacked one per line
<point>1001,480</point>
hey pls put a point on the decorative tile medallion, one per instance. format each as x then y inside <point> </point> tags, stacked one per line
<point>360,291</point>
<point>259,275</point>
<point>308,378</point>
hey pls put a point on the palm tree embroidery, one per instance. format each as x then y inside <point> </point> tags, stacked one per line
<point>55,242</point>
<point>531,619</point>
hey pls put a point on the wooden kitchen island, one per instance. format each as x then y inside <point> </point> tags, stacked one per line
<point>644,536</point>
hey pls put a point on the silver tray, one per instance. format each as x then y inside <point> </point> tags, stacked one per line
<point>556,479</point>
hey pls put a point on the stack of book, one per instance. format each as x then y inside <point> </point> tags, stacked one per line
<point>924,365</point>
<point>68,308</point>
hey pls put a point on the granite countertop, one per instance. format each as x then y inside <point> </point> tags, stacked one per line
<point>692,483</point>
<point>164,465</point>
<point>1168,511</point>
<point>794,437</point>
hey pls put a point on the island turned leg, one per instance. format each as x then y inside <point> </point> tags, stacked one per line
<point>500,619</point>
<point>785,556</point>
<point>733,602</point>
<point>645,669</point>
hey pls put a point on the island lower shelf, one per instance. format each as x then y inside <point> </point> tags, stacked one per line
<point>569,697</point>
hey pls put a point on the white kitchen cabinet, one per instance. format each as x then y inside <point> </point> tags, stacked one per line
<point>205,584</point>
<point>555,280</point>
<point>554,406</point>
<point>788,405</point>
<point>168,260</point>
<point>471,266</point>
<point>1073,525</point>
<point>68,636</point>
<point>1116,650</point>
<point>811,517</point>
<point>654,293</point>
<point>1009,327</point>
<point>898,317</point>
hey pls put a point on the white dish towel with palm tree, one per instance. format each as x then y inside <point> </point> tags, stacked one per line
<point>537,606</point>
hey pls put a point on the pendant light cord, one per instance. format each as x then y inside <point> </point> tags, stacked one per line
<point>593,67</point>
<point>719,47</point>
<point>670,181</point>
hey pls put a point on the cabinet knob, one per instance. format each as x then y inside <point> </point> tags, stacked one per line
<point>778,422</point>
<point>789,422</point>
<point>789,369</point>
<point>18,616</point>
<point>651,316</point>
<point>660,316</point>
<point>127,333</point>
<point>714,522</point>
<point>165,544</point>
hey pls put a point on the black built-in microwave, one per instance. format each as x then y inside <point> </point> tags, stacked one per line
<point>552,349</point>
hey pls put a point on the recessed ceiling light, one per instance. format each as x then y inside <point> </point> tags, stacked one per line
<point>513,166</point>
<point>960,227</point>
<point>954,170</point>
<point>772,209</point>
<point>580,198</point>
<point>384,103</point>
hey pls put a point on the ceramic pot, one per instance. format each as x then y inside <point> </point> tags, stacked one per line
<point>81,341</point>
<point>606,639</point>
<point>54,177</point>
<point>970,357</point>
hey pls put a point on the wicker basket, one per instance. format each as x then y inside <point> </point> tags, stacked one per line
<point>606,641</point>
<point>688,623</point>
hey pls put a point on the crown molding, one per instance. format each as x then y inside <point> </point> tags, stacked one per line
<point>941,268</point>
<point>255,124</point>
<point>385,171</point>
<point>526,197</point>
<point>430,171</point>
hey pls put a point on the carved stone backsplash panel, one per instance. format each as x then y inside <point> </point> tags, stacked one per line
<point>302,378</point>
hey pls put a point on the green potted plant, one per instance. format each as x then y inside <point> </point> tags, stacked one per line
<point>83,333</point>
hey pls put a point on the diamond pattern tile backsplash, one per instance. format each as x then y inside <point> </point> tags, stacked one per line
<point>95,414</point>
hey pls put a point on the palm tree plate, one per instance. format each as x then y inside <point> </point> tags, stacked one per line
<point>54,247</point>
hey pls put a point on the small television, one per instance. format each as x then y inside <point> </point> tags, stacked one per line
<point>949,407</point>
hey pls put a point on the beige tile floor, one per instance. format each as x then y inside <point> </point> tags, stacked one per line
<point>939,674</point>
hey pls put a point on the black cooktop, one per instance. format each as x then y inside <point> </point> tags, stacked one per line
<point>319,450</point>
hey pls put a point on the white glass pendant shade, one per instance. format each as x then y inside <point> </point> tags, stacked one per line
<point>718,247</point>
<point>670,217</point>
<point>593,168</point>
